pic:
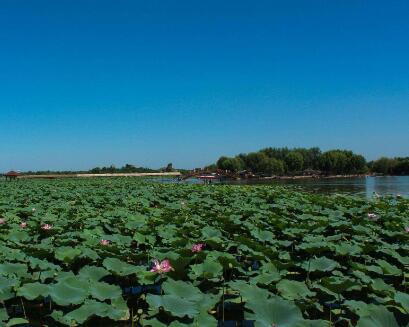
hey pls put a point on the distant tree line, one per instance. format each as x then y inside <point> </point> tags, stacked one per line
<point>128,168</point>
<point>285,161</point>
<point>390,166</point>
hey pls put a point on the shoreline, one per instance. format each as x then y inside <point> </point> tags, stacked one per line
<point>86,175</point>
<point>312,177</point>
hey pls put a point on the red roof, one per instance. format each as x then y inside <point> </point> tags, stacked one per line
<point>12,173</point>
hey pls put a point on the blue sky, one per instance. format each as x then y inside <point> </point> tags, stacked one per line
<point>90,83</point>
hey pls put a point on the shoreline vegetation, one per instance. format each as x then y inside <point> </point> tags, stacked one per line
<point>309,162</point>
<point>178,174</point>
<point>319,176</point>
<point>268,163</point>
<point>99,175</point>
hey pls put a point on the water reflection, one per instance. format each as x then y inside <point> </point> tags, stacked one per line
<point>365,186</point>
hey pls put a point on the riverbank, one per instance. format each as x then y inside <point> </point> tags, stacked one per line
<point>53,176</point>
<point>315,177</point>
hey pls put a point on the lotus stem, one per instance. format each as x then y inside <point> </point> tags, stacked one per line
<point>307,280</point>
<point>223,302</point>
<point>24,309</point>
<point>330,316</point>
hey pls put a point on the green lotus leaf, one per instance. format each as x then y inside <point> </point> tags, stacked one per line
<point>358,307</point>
<point>69,291</point>
<point>136,222</point>
<point>119,309</point>
<point>378,285</point>
<point>18,236</point>
<point>339,284</point>
<point>204,319</point>
<point>210,268</point>
<point>89,253</point>
<point>377,316</point>
<point>32,291</point>
<point>93,273</point>
<point>274,312</point>
<point>263,235</point>
<point>103,291</point>
<point>94,308</point>
<point>42,264</point>
<point>389,269</point>
<point>249,291</point>
<point>314,323</point>
<point>178,324</point>
<point>320,264</point>
<point>177,306</point>
<point>325,290</point>
<point>119,267</point>
<point>265,278</point>
<point>58,316</point>
<point>123,240</point>
<point>16,321</point>
<point>154,323</point>
<point>397,256</point>
<point>293,290</point>
<point>269,268</point>
<point>182,289</point>
<point>3,315</point>
<point>17,269</point>
<point>347,249</point>
<point>210,232</point>
<point>402,299</point>
<point>362,276</point>
<point>63,275</point>
<point>66,254</point>
<point>6,287</point>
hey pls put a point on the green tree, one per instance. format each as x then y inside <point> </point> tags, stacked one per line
<point>230,164</point>
<point>294,161</point>
<point>274,167</point>
<point>257,162</point>
<point>401,167</point>
<point>357,164</point>
<point>311,157</point>
<point>333,162</point>
<point>384,165</point>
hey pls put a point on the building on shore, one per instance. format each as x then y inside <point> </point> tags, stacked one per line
<point>11,175</point>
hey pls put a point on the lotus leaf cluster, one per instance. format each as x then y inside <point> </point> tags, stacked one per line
<point>126,252</point>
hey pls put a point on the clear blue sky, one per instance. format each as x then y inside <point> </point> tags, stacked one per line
<point>88,83</point>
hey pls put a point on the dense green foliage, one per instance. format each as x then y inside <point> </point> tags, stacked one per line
<point>128,168</point>
<point>391,166</point>
<point>279,161</point>
<point>272,255</point>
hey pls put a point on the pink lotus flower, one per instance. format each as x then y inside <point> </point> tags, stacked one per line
<point>2,221</point>
<point>46,227</point>
<point>372,216</point>
<point>104,242</point>
<point>198,247</point>
<point>161,267</point>
<point>407,229</point>
<point>23,225</point>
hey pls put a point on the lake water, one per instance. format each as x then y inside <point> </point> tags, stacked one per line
<point>365,186</point>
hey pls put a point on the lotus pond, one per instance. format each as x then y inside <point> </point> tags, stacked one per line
<point>122,252</point>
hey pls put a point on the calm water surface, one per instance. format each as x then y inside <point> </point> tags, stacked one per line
<point>365,186</point>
